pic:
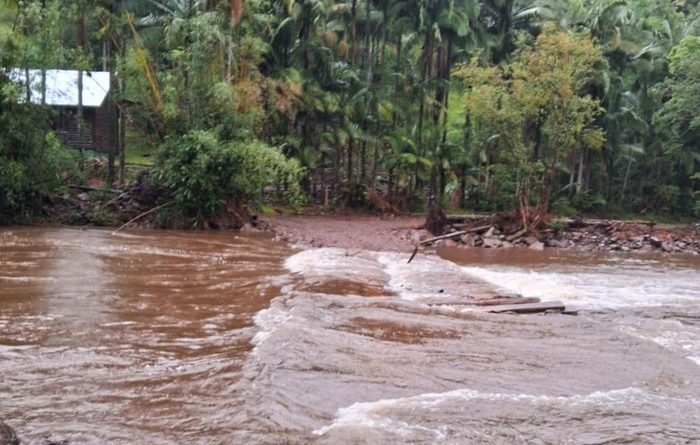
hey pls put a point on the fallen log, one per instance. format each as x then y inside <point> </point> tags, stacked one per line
<point>447,236</point>
<point>516,235</point>
<point>527,308</point>
<point>442,237</point>
<point>579,223</point>
<point>146,213</point>
<point>94,189</point>
<point>437,238</point>
<point>455,234</point>
<point>456,219</point>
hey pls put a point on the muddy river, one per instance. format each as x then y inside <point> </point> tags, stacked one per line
<point>190,338</point>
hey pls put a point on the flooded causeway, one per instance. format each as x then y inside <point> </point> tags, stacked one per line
<point>217,338</point>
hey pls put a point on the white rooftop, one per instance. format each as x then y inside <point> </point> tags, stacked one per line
<point>62,86</point>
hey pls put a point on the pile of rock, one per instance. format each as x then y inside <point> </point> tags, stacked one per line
<point>493,238</point>
<point>611,236</point>
<point>497,231</point>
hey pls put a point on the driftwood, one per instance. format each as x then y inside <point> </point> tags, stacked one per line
<point>454,234</point>
<point>455,219</point>
<point>442,237</point>
<point>437,238</point>
<point>516,235</point>
<point>146,213</point>
<point>528,308</point>
<point>576,222</point>
<point>448,236</point>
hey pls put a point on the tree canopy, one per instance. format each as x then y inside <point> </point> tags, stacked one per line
<point>539,105</point>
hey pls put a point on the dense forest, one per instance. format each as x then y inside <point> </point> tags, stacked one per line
<point>563,106</point>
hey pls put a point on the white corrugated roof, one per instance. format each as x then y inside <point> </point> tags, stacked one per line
<point>62,86</point>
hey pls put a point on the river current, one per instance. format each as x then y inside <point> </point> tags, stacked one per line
<point>168,338</point>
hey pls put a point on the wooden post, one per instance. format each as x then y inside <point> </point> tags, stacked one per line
<point>111,130</point>
<point>81,121</point>
<point>121,147</point>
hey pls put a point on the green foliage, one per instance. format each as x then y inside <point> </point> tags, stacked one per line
<point>679,114</point>
<point>204,173</point>
<point>591,104</point>
<point>666,198</point>
<point>558,225</point>
<point>31,159</point>
<point>589,201</point>
<point>525,118</point>
<point>562,207</point>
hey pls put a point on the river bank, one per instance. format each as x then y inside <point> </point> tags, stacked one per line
<point>402,233</point>
<point>143,205</point>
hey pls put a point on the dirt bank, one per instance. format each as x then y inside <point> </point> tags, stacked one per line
<point>349,231</point>
<point>402,233</point>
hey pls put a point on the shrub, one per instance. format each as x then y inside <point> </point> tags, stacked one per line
<point>31,158</point>
<point>589,202</point>
<point>205,173</point>
<point>667,197</point>
<point>562,207</point>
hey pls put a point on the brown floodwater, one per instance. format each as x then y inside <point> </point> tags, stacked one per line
<point>216,338</point>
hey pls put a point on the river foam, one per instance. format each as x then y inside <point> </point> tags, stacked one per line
<point>418,416</point>
<point>601,288</point>
<point>361,347</point>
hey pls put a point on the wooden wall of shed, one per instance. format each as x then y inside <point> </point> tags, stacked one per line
<point>95,133</point>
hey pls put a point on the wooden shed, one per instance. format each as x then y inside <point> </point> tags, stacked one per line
<point>60,90</point>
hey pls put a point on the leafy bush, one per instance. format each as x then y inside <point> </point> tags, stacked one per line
<point>205,173</point>
<point>589,202</point>
<point>562,207</point>
<point>666,197</point>
<point>558,225</point>
<point>31,159</point>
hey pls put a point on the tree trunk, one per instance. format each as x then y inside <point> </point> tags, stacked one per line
<point>579,179</point>
<point>80,37</point>
<point>81,121</point>
<point>350,145</point>
<point>353,31</point>
<point>111,116</point>
<point>368,43</point>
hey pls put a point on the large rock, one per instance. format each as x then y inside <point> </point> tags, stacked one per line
<point>8,435</point>
<point>531,240</point>
<point>537,246</point>
<point>557,243</point>
<point>492,243</point>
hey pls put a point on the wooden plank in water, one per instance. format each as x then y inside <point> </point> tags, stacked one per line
<point>527,308</point>
<point>506,300</point>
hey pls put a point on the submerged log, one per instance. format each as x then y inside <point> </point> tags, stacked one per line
<point>502,301</point>
<point>527,308</point>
